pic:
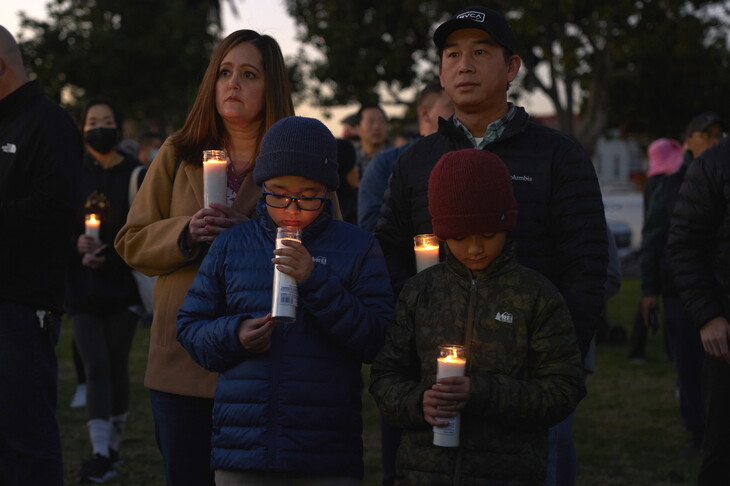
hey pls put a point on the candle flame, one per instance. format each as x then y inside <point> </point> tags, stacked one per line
<point>92,218</point>
<point>426,247</point>
<point>453,355</point>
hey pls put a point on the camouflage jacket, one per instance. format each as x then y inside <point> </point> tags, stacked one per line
<point>522,357</point>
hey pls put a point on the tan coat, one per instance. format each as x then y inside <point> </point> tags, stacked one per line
<point>148,242</point>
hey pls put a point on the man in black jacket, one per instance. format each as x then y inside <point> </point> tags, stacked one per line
<point>561,231</point>
<point>699,246</point>
<point>40,150</point>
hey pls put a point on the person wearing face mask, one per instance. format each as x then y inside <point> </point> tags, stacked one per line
<point>100,287</point>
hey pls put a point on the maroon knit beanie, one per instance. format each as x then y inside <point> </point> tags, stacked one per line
<point>470,192</point>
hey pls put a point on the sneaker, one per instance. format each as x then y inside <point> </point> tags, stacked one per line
<point>114,457</point>
<point>79,398</point>
<point>98,469</point>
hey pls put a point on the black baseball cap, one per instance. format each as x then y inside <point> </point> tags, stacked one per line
<point>702,122</point>
<point>477,17</point>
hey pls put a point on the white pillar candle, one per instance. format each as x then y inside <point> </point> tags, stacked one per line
<point>427,251</point>
<point>285,293</point>
<point>215,177</point>
<point>450,363</point>
<point>92,224</point>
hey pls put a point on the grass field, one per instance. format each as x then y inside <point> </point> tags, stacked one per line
<point>627,430</point>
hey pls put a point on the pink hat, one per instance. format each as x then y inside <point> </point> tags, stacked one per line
<point>665,156</point>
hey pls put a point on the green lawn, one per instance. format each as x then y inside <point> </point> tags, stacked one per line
<point>627,430</point>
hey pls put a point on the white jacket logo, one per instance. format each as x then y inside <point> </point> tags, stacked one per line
<point>320,259</point>
<point>504,317</point>
<point>9,148</point>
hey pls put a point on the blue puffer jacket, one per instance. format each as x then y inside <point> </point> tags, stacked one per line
<point>296,407</point>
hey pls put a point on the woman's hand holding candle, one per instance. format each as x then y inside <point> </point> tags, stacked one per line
<point>208,223</point>
<point>446,399</point>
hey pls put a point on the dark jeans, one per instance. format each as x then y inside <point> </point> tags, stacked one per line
<point>567,460</point>
<point>104,343</point>
<point>30,440</point>
<point>389,442</point>
<point>639,332</point>
<point>688,355</point>
<point>716,449</point>
<point>183,426</point>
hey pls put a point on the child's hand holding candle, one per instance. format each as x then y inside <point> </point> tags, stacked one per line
<point>441,404</point>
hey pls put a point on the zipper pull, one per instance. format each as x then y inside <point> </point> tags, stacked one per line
<point>473,284</point>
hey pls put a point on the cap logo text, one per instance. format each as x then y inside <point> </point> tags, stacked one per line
<point>472,15</point>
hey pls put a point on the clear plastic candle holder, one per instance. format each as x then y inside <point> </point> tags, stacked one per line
<point>426,248</point>
<point>215,177</point>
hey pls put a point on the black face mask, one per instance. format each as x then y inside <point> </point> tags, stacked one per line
<point>102,139</point>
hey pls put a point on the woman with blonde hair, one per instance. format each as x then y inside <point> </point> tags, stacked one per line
<point>244,91</point>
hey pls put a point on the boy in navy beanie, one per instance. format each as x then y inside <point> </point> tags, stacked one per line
<point>287,405</point>
<point>523,365</point>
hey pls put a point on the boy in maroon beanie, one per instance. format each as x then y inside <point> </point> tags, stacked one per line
<point>523,365</point>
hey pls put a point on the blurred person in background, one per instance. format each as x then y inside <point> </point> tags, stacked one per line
<point>658,280</point>
<point>40,150</point>
<point>432,103</point>
<point>149,145</point>
<point>349,128</point>
<point>100,287</point>
<point>244,91</point>
<point>665,157</point>
<point>372,128</point>
<point>349,180</point>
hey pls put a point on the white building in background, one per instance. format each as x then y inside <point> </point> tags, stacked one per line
<point>618,162</point>
<point>617,159</point>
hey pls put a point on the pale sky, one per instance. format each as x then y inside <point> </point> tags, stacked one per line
<point>264,16</point>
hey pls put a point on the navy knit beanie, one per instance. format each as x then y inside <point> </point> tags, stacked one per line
<point>298,146</point>
<point>470,193</point>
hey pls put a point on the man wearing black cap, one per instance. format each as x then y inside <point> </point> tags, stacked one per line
<point>561,230</point>
<point>703,132</point>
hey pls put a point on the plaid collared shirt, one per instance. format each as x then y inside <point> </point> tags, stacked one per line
<point>494,129</point>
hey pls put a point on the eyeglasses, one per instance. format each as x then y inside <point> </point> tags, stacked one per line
<point>280,201</point>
